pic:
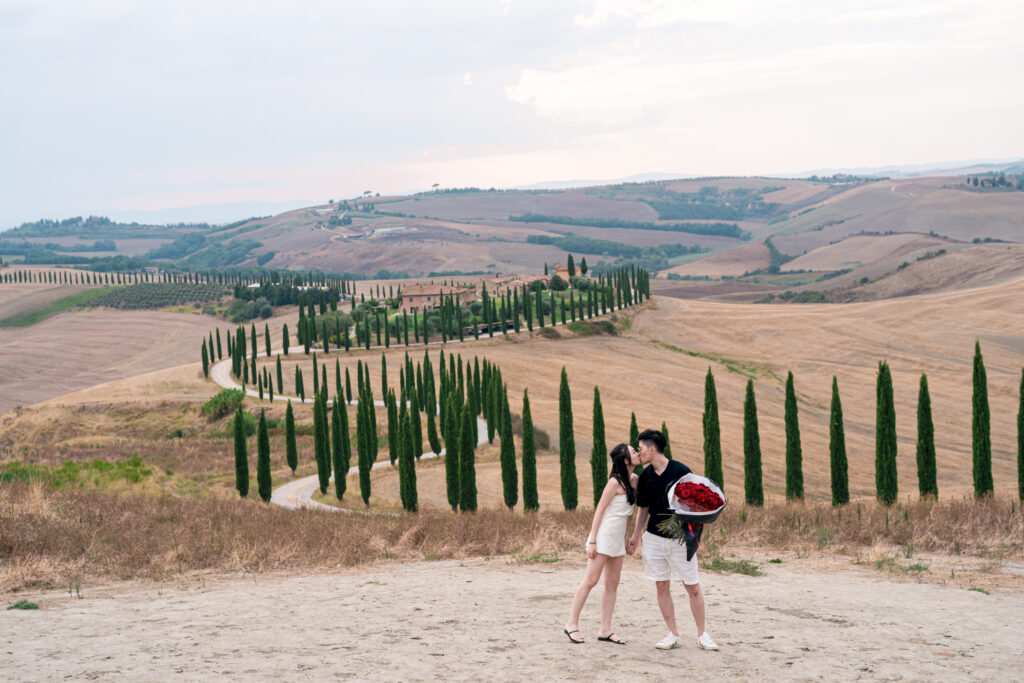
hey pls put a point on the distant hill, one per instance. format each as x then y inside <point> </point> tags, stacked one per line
<point>758,234</point>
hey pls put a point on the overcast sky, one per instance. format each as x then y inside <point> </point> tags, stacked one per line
<point>110,105</point>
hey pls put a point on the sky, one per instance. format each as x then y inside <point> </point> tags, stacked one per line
<point>122,108</point>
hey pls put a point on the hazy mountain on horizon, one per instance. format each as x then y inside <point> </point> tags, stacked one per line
<point>234,211</point>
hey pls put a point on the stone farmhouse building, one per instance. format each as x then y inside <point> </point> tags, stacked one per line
<point>420,298</point>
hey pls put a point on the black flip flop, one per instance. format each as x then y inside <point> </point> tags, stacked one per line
<point>611,639</point>
<point>569,633</point>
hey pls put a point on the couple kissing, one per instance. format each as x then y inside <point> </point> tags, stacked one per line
<point>608,542</point>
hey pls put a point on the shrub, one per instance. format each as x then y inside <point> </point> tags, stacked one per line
<point>222,404</point>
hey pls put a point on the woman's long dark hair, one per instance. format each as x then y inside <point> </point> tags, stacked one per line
<point>621,469</point>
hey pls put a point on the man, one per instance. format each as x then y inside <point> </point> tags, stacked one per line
<point>664,556</point>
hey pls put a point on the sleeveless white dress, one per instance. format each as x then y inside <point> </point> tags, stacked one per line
<point>611,535</point>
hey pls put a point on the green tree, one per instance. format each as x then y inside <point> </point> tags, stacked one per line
<point>509,472</point>
<point>284,339</point>
<point>712,433</point>
<point>392,426</point>
<point>837,450</point>
<point>322,441</point>
<point>432,438</point>
<point>206,360</point>
<point>280,376</point>
<point>927,484</point>
<point>668,441</point>
<point>291,451</point>
<point>567,445</point>
<point>634,432</point>
<point>530,500</point>
<point>241,455</point>
<point>407,465</point>
<point>572,267</point>
<point>263,459</point>
<point>599,451</point>
<point>416,426</point>
<point>467,462</point>
<point>451,452</point>
<point>266,337</point>
<point>364,445</point>
<point>981,437</point>
<point>339,445</point>
<point>794,455</point>
<point>885,438</point>
<point>753,487</point>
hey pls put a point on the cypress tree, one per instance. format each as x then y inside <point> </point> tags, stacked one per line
<point>712,433</point>
<point>432,439</point>
<point>530,500</point>
<point>467,462</point>
<point>451,453</point>
<point>567,445</point>
<point>384,378</point>
<point>634,432</point>
<point>753,488</point>
<point>220,355</point>
<point>322,441</point>
<point>509,473</point>
<point>206,360</point>
<point>266,337</point>
<point>392,427</point>
<point>348,387</point>
<point>572,267</point>
<point>316,377</point>
<point>291,451</point>
<point>794,455</point>
<point>341,466</point>
<point>241,455</point>
<point>407,465</point>
<point>668,441</point>
<point>263,459</point>
<point>336,451</point>
<point>364,443</point>
<point>280,376</point>
<point>1020,438</point>
<point>837,450</point>
<point>599,451</point>
<point>926,474</point>
<point>416,425</point>
<point>300,388</point>
<point>885,438</point>
<point>981,438</point>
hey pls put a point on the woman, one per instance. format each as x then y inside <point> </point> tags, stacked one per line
<point>606,545</point>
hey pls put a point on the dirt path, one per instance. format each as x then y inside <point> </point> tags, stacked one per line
<point>501,621</point>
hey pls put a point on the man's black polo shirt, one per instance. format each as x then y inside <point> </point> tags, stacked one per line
<point>652,492</point>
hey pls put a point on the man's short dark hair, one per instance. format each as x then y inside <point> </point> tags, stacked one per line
<point>653,437</point>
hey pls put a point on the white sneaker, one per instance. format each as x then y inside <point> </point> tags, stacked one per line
<point>668,642</point>
<point>706,643</point>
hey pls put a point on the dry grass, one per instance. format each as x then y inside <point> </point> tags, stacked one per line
<point>58,538</point>
<point>55,537</point>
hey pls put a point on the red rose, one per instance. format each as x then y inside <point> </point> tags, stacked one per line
<point>698,497</point>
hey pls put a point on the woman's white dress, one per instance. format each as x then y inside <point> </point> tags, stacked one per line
<point>611,535</point>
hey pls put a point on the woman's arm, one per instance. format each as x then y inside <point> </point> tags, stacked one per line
<point>611,489</point>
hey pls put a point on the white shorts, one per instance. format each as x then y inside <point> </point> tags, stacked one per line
<point>664,557</point>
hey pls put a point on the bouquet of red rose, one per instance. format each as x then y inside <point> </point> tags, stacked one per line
<point>695,501</point>
<point>697,497</point>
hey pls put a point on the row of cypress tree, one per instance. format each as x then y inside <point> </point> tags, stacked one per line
<point>886,486</point>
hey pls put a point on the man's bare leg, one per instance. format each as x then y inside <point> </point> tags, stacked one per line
<point>696,605</point>
<point>668,608</point>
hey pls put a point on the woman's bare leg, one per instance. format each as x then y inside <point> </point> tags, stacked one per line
<point>612,571</point>
<point>590,578</point>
